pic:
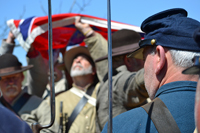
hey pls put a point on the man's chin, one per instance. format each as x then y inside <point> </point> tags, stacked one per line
<point>11,93</point>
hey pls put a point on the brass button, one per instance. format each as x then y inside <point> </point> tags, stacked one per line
<point>86,116</point>
<point>153,41</point>
<point>87,127</point>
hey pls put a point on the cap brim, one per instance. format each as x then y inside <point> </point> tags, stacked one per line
<point>138,54</point>
<point>192,70</point>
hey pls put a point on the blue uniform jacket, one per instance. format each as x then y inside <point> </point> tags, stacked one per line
<point>9,123</point>
<point>179,97</point>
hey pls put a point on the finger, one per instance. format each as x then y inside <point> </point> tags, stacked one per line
<point>77,20</point>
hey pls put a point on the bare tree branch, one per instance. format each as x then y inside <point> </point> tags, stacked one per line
<point>23,12</point>
<point>84,5</point>
<point>80,7</point>
<point>43,9</point>
<point>5,29</point>
<point>60,6</point>
<point>72,6</point>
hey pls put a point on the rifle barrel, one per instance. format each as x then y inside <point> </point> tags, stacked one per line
<point>109,67</point>
<point>36,126</point>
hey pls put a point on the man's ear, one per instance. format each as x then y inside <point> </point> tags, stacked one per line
<point>160,59</point>
<point>93,70</point>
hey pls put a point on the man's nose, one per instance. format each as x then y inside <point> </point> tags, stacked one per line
<point>11,80</point>
<point>77,60</point>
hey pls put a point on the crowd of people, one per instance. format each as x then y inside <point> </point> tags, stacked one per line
<point>154,81</point>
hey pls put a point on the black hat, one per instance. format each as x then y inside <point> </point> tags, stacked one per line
<point>170,28</point>
<point>123,42</point>
<point>10,65</point>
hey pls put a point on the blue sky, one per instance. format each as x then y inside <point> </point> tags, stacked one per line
<point>126,11</point>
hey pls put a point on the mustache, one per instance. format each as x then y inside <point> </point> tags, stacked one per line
<point>11,86</point>
<point>77,65</point>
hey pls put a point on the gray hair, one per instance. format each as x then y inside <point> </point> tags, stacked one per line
<point>180,58</point>
<point>183,58</point>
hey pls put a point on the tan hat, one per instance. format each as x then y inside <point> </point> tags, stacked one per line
<point>72,53</point>
<point>10,65</point>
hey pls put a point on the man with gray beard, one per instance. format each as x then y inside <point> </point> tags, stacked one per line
<point>79,102</point>
<point>29,108</point>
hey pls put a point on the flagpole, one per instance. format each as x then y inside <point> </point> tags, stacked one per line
<point>109,67</point>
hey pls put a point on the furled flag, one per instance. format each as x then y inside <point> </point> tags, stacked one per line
<point>34,30</point>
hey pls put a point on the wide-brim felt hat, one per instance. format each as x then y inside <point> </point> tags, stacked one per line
<point>72,53</point>
<point>123,42</point>
<point>170,28</point>
<point>10,65</point>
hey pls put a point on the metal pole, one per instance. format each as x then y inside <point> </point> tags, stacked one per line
<point>36,126</point>
<point>52,93</point>
<point>109,68</point>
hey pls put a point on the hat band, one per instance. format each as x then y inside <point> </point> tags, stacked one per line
<point>10,69</point>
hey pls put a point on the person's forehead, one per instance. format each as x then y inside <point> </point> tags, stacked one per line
<point>83,56</point>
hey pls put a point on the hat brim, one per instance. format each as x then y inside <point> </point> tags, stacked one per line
<point>113,55</point>
<point>72,53</point>
<point>192,70</point>
<point>16,71</point>
<point>127,49</point>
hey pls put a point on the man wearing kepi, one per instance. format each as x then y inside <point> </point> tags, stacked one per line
<point>167,49</point>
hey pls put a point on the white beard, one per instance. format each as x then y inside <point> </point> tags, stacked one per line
<point>11,91</point>
<point>77,72</point>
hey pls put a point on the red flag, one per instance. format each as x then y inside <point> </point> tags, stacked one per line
<point>34,30</point>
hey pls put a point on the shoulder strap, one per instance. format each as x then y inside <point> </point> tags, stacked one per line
<point>161,116</point>
<point>127,81</point>
<point>78,108</point>
<point>21,102</point>
<point>7,105</point>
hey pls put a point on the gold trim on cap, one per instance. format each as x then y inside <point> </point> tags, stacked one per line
<point>153,41</point>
